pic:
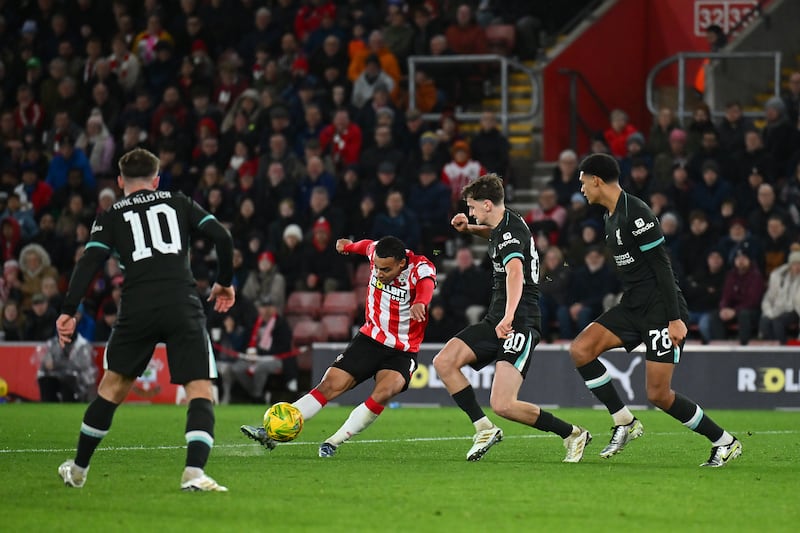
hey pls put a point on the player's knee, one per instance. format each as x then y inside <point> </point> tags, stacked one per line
<point>501,407</point>
<point>659,396</point>
<point>581,352</point>
<point>443,362</point>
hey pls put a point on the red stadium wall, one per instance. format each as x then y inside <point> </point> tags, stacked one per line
<point>616,53</point>
<point>19,364</point>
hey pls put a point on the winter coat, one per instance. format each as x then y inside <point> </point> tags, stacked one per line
<point>783,293</point>
<point>742,290</point>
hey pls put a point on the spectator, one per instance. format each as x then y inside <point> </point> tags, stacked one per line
<point>639,183</point>
<point>589,285</point>
<point>791,99</point>
<point>490,147</point>
<point>98,145</point>
<point>659,139</point>
<point>323,268</point>
<point>781,303</point>
<point>430,152</point>
<point>442,326</point>
<point>429,201</point>
<point>331,55</point>
<point>68,158</point>
<point>28,111</point>
<point>461,171</point>
<point>387,181</point>
<point>371,78</point>
<point>266,281</point>
<point>34,264</point>
<point>675,155</point>
<point>741,298</point>
<point>377,47</point>
<point>746,192</point>
<point>286,217</point>
<point>397,221</point>
<point>24,217</point>
<point>320,207</point>
<point>342,139</point>
<point>547,217</point>
<point>467,289</point>
<point>767,207</point>
<point>565,177</point>
<point>316,176</point>
<point>780,136</point>
<point>13,328</point>
<point>696,243</point>
<point>362,220</point>
<point>10,282</point>
<point>424,30</point>
<point>635,151</point>
<point>144,44</point>
<point>124,64</point>
<point>709,194</point>
<point>732,128</point>
<point>40,320</point>
<point>616,136</point>
<point>754,156</point>
<point>271,336</point>
<point>703,290</point>
<point>67,374</point>
<point>790,195</point>
<point>591,235</point>
<point>698,127</point>
<point>553,288</point>
<point>465,36</point>
<point>777,243</point>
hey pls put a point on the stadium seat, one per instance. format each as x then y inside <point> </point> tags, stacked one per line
<point>304,303</point>
<point>501,38</point>
<point>338,327</point>
<point>340,303</point>
<point>309,331</point>
<point>363,273</point>
<point>293,320</point>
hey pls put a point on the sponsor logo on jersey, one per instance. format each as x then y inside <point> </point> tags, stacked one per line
<point>619,237</point>
<point>396,293</point>
<point>96,227</point>
<point>507,235</point>
<point>639,223</point>
<point>509,240</point>
<point>650,225</point>
<point>498,267</point>
<point>624,259</point>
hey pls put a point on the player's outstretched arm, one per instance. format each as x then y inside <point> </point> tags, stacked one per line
<point>461,223</point>
<point>346,246</point>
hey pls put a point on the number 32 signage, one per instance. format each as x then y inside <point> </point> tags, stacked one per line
<point>724,13</point>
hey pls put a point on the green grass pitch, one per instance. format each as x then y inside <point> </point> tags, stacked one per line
<point>405,473</point>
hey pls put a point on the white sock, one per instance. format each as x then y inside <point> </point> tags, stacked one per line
<point>360,418</point>
<point>483,423</point>
<point>623,417</point>
<point>308,405</point>
<point>724,440</point>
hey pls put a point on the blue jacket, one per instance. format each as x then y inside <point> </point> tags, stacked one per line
<point>59,170</point>
<point>404,226</point>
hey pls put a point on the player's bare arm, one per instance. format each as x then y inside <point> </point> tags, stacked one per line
<point>514,274</point>
<point>461,223</point>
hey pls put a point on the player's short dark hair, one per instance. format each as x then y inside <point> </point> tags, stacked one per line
<point>487,187</point>
<point>138,164</point>
<point>603,166</point>
<point>390,247</point>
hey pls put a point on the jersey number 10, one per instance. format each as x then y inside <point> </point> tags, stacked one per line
<point>141,248</point>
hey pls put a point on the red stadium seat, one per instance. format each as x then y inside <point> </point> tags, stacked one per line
<point>293,320</point>
<point>340,303</point>
<point>309,331</point>
<point>338,327</point>
<point>304,303</point>
<point>362,276</point>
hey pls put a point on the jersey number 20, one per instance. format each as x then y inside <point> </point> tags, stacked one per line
<point>141,248</point>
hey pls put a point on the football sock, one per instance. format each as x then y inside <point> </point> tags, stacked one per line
<point>360,418</point>
<point>199,432</point>
<point>466,400</point>
<point>548,422</point>
<point>597,378</point>
<point>311,404</point>
<point>96,422</point>
<point>692,416</point>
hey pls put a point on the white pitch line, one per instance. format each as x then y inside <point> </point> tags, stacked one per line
<point>359,441</point>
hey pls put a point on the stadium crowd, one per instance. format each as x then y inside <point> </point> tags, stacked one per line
<point>289,121</point>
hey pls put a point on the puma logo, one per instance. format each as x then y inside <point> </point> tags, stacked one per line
<point>624,378</point>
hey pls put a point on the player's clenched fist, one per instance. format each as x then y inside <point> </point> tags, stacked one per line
<point>460,222</point>
<point>341,244</point>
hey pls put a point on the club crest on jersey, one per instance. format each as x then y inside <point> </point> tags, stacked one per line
<point>619,237</point>
<point>396,293</point>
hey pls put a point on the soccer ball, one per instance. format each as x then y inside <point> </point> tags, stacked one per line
<point>283,422</point>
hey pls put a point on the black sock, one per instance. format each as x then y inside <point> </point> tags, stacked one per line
<point>692,416</point>
<point>199,432</point>
<point>466,400</point>
<point>553,424</point>
<point>96,422</point>
<point>596,377</point>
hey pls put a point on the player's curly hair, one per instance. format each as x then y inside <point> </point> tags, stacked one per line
<point>390,247</point>
<point>487,187</point>
<point>138,164</point>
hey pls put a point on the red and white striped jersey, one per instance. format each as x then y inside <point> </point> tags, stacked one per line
<point>388,307</point>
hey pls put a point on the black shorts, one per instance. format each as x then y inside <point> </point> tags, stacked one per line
<point>364,357</point>
<point>517,350</point>
<point>180,325</point>
<point>648,326</point>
